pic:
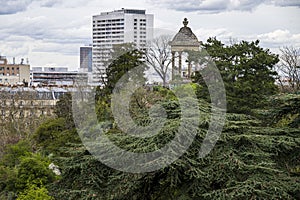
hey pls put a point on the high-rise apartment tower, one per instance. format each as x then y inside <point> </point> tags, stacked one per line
<point>117,27</point>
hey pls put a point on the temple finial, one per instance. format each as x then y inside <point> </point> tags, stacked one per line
<point>185,22</point>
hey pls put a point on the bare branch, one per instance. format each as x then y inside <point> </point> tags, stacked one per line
<point>159,57</point>
<point>289,68</point>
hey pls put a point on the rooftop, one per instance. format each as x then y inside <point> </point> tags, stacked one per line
<point>185,37</point>
<point>127,11</point>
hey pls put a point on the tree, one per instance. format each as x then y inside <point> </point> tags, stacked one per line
<point>289,69</point>
<point>21,169</point>
<point>34,192</point>
<point>249,161</point>
<point>33,169</point>
<point>247,71</point>
<point>159,57</point>
<point>124,57</point>
<point>284,111</point>
<point>63,109</point>
<point>54,134</point>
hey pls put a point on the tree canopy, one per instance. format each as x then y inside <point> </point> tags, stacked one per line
<point>257,156</point>
<point>247,71</point>
<point>250,161</point>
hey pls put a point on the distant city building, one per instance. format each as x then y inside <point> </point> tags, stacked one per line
<point>29,102</point>
<point>13,74</point>
<point>86,59</point>
<point>117,27</point>
<point>58,76</point>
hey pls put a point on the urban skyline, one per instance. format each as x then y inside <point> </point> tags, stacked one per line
<point>50,32</point>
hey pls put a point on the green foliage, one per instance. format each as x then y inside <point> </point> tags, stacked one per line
<point>34,192</point>
<point>14,152</point>
<point>63,109</point>
<point>23,169</point>
<point>249,161</point>
<point>247,71</point>
<point>254,158</point>
<point>12,157</point>
<point>53,134</point>
<point>33,169</point>
<point>8,177</point>
<point>281,111</point>
<point>103,110</point>
<point>124,58</point>
<point>9,163</point>
<point>286,110</point>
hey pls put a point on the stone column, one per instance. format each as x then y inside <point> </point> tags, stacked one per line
<point>189,69</point>
<point>180,63</point>
<point>173,64</point>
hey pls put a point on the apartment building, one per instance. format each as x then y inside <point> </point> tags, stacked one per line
<point>117,27</point>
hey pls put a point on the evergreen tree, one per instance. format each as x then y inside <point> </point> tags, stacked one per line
<point>124,57</point>
<point>247,71</point>
<point>249,161</point>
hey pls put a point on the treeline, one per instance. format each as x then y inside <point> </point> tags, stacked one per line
<point>256,157</point>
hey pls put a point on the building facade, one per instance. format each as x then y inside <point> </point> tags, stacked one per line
<point>13,74</point>
<point>86,59</point>
<point>29,102</point>
<point>118,27</point>
<point>56,76</point>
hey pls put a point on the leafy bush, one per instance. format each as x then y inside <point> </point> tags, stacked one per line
<point>35,193</point>
<point>33,169</point>
<point>14,152</point>
<point>53,134</point>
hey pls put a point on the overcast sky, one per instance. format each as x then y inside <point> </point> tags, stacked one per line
<point>50,32</point>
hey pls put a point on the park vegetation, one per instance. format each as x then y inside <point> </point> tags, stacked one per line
<point>256,157</point>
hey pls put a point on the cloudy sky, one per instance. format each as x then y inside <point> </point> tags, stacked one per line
<point>50,32</point>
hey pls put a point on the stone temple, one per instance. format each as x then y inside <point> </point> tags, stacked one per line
<point>184,41</point>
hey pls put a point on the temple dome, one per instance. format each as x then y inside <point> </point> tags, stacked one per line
<point>185,37</point>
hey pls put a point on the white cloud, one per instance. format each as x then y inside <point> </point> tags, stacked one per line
<point>13,6</point>
<point>217,6</point>
<point>220,33</point>
<point>48,31</point>
<point>208,6</point>
<point>286,3</point>
<point>279,38</point>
